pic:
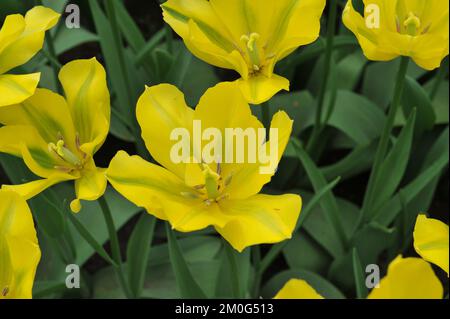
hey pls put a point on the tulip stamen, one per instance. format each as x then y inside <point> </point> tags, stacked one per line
<point>253,50</point>
<point>5,291</point>
<point>64,153</point>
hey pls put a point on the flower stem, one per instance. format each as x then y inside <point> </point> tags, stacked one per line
<point>384,141</point>
<point>115,248</point>
<point>331,29</point>
<point>231,255</point>
<point>258,273</point>
<point>265,110</point>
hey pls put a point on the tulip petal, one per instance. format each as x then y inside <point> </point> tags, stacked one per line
<point>31,189</point>
<point>259,89</point>
<point>248,179</point>
<point>90,186</point>
<point>297,289</point>
<point>431,241</point>
<point>260,219</point>
<point>24,141</point>
<point>37,21</point>
<point>47,112</point>
<point>15,89</point>
<point>12,28</point>
<point>409,278</point>
<point>19,236</point>
<point>160,111</point>
<point>298,24</point>
<point>84,83</point>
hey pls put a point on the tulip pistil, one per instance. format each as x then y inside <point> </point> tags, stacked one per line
<point>412,24</point>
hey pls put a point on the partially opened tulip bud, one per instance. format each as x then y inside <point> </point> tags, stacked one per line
<point>247,36</point>
<point>20,39</point>
<point>57,137</point>
<point>392,28</point>
<point>19,249</point>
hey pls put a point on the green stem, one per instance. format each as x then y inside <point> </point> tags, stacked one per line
<point>265,111</point>
<point>53,59</point>
<point>115,248</point>
<point>318,125</point>
<point>384,141</point>
<point>231,256</point>
<point>258,274</point>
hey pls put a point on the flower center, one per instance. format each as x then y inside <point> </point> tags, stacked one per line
<point>63,152</point>
<point>213,188</point>
<point>412,24</point>
<point>254,50</point>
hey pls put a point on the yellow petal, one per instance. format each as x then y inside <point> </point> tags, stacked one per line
<point>298,24</point>
<point>17,88</point>
<point>17,233</point>
<point>260,219</point>
<point>297,289</point>
<point>259,89</point>
<point>160,110</point>
<point>84,83</point>
<point>37,21</point>
<point>47,112</point>
<point>248,179</point>
<point>409,278</point>
<point>12,28</point>
<point>24,141</point>
<point>431,241</point>
<point>90,186</point>
<point>31,189</point>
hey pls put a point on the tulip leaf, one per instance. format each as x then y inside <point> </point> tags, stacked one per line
<point>394,166</point>
<point>138,250</point>
<point>361,289</point>
<point>415,97</point>
<point>188,287</point>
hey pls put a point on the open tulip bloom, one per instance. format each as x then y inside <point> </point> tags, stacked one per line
<point>57,137</point>
<point>407,278</point>
<point>248,36</point>
<point>392,28</point>
<point>20,39</point>
<point>193,195</point>
<point>19,249</point>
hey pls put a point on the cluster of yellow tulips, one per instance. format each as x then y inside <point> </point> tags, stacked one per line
<point>58,136</point>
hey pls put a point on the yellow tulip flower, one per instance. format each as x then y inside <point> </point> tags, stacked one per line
<point>19,249</point>
<point>297,289</point>
<point>392,28</point>
<point>431,241</point>
<point>193,196</point>
<point>20,39</point>
<point>407,278</point>
<point>249,36</point>
<point>57,137</point>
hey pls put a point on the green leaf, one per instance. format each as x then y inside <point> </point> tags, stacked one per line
<point>357,117</point>
<point>188,287</point>
<point>67,39</point>
<point>394,166</point>
<point>361,289</point>
<point>49,215</point>
<point>329,204</point>
<point>138,250</point>
<point>321,285</point>
<point>112,60</point>
<point>415,97</point>
<point>440,102</point>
